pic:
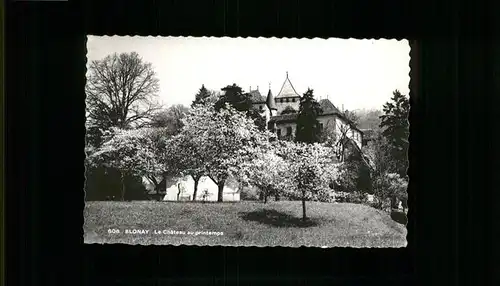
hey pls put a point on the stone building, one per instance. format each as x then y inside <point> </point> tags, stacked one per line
<point>281,113</point>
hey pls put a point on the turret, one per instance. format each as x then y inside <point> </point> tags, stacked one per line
<point>270,102</point>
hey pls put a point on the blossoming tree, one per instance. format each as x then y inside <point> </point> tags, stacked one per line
<point>267,171</point>
<point>313,168</point>
<point>132,152</point>
<point>220,138</point>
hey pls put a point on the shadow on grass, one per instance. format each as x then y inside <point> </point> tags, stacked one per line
<point>399,217</point>
<point>276,218</point>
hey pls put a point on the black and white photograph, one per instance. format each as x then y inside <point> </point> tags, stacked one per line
<point>219,141</point>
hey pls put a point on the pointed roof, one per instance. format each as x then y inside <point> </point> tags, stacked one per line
<point>256,97</point>
<point>328,107</point>
<point>271,103</point>
<point>287,90</point>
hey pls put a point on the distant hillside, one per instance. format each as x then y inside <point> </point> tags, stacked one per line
<point>368,118</point>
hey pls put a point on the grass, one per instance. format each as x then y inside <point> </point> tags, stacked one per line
<point>243,224</point>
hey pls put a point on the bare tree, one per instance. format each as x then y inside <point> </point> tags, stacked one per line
<point>345,126</point>
<point>120,91</point>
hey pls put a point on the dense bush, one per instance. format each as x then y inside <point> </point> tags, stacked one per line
<point>326,196</point>
<point>351,197</point>
<point>103,184</point>
<point>389,188</point>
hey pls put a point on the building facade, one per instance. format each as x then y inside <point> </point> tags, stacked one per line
<point>281,113</point>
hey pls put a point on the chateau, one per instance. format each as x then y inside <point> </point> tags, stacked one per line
<point>281,114</point>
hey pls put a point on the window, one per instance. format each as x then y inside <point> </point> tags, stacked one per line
<point>278,132</point>
<point>293,99</point>
<point>260,107</point>
<point>288,99</point>
<point>270,126</point>
<point>288,131</point>
<point>321,126</point>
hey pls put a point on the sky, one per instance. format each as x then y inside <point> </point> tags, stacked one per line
<point>353,74</point>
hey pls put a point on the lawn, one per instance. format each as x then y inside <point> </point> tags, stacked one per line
<point>243,223</point>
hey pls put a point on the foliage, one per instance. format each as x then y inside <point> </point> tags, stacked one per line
<point>288,110</point>
<point>354,174</point>
<point>395,127</point>
<point>378,154</point>
<point>351,197</point>
<point>170,119</point>
<point>387,187</point>
<point>186,157</point>
<point>235,97</point>
<point>346,181</point>
<point>222,139</point>
<point>313,168</point>
<point>308,127</point>
<point>267,171</point>
<point>202,96</point>
<point>351,116</point>
<point>369,119</point>
<point>133,152</point>
<point>120,91</point>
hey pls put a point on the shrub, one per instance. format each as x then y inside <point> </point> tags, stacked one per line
<point>326,196</point>
<point>389,187</point>
<point>357,198</point>
<point>351,197</point>
<point>346,181</point>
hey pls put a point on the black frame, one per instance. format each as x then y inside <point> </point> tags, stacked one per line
<point>44,86</point>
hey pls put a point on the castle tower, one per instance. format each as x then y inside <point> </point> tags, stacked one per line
<point>287,97</point>
<point>271,108</point>
<point>271,104</point>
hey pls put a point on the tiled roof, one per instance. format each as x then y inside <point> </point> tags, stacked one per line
<point>257,97</point>
<point>284,117</point>
<point>328,107</point>
<point>287,90</point>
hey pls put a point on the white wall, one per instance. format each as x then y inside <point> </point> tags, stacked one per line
<point>327,121</point>
<point>283,127</point>
<point>352,133</point>
<point>230,192</point>
<point>282,105</point>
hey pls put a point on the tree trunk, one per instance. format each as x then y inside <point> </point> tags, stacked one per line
<point>261,196</point>
<point>179,191</point>
<point>394,203</point>
<point>265,198</point>
<point>123,186</point>
<point>304,216</point>
<point>277,197</point>
<point>220,186</point>
<point>196,180</point>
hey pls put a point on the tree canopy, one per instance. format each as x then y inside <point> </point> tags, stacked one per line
<point>132,152</point>
<point>308,127</point>
<point>170,119</point>
<point>241,101</point>
<point>222,138</point>
<point>396,128</point>
<point>202,96</point>
<point>120,90</point>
